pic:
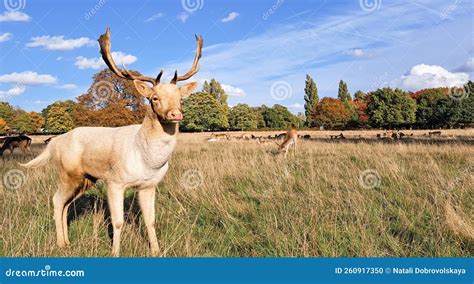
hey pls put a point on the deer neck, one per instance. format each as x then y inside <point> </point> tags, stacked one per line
<point>156,140</point>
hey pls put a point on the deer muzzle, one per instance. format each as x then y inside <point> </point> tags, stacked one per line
<point>174,116</point>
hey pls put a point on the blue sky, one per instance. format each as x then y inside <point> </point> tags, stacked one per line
<point>259,50</point>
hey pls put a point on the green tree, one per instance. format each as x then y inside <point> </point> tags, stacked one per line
<point>311,99</point>
<point>391,108</point>
<point>359,95</point>
<point>51,122</point>
<point>243,117</point>
<point>259,115</point>
<point>23,122</point>
<point>278,117</point>
<point>202,112</point>
<point>7,112</point>
<point>215,89</point>
<point>59,119</point>
<point>343,93</point>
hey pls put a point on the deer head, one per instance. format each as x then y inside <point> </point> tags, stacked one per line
<point>165,98</point>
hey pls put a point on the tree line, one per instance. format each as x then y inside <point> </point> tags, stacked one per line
<point>113,101</point>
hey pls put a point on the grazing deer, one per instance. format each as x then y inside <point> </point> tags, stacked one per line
<point>130,156</point>
<point>434,133</point>
<point>291,137</point>
<point>218,137</point>
<point>22,142</point>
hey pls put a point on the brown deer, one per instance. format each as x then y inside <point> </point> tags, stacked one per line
<point>130,156</point>
<point>22,142</point>
<point>290,140</point>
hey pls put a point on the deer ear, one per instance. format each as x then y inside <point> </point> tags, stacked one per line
<point>188,88</point>
<point>143,88</point>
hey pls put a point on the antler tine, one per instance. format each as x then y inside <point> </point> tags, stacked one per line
<point>158,78</point>
<point>175,77</point>
<point>104,42</point>
<point>195,67</point>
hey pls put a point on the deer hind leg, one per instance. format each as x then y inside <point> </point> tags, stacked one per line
<point>146,199</point>
<point>63,196</point>
<point>79,191</point>
<point>115,195</point>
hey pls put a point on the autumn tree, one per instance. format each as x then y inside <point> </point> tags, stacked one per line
<point>203,112</point>
<point>101,104</point>
<point>3,126</point>
<point>243,117</point>
<point>331,113</point>
<point>37,121</point>
<point>311,99</point>
<point>391,108</point>
<point>22,122</point>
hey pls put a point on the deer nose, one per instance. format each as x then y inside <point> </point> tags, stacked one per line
<point>175,115</point>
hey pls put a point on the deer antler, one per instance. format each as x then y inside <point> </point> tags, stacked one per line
<point>104,42</point>
<point>194,68</point>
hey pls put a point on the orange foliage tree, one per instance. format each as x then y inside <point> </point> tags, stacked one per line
<point>331,113</point>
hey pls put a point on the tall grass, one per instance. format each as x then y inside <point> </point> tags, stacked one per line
<point>238,199</point>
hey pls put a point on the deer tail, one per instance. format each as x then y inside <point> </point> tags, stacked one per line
<point>39,161</point>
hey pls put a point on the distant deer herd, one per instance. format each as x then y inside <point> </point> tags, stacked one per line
<point>133,156</point>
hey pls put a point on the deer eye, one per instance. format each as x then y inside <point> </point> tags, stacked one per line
<point>155,99</point>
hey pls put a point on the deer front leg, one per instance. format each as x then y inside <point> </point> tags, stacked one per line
<point>146,199</point>
<point>115,194</point>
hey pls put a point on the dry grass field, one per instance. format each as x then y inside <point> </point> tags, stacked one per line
<point>236,198</point>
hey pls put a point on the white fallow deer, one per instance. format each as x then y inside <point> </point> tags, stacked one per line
<point>290,140</point>
<point>130,156</point>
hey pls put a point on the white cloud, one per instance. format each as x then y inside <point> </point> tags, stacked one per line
<point>14,16</point>
<point>15,91</point>
<point>59,43</point>
<point>468,66</point>
<point>183,17</point>
<point>358,53</point>
<point>154,17</point>
<point>28,78</point>
<point>5,37</point>
<point>59,58</point>
<point>296,105</point>
<point>97,62</point>
<point>233,91</point>
<point>424,76</point>
<point>67,87</point>
<point>232,16</point>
